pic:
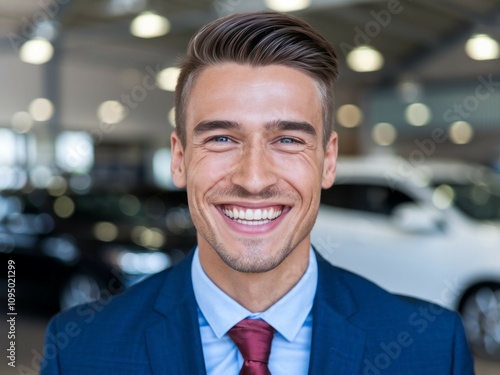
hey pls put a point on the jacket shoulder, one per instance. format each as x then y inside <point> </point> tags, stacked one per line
<point>399,330</point>
<point>374,303</point>
<point>132,302</point>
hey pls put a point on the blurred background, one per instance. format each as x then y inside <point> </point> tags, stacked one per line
<point>87,206</point>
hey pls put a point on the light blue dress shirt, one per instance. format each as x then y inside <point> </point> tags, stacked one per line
<point>291,317</point>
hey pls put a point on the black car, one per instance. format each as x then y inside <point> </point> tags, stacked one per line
<point>71,248</point>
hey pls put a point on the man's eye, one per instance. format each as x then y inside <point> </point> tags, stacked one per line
<point>287,140</point>
<point>220,139</point>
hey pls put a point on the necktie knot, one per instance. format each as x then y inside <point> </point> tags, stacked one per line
<point>253,339</point>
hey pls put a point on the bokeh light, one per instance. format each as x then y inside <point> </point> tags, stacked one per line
<point>349,115</point>
<point>460,132</point>
<point>384,134</point>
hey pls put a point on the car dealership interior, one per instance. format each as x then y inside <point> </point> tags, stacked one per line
<point>88,206</point>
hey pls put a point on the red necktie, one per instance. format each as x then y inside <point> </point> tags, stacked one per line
<point>253,339</point>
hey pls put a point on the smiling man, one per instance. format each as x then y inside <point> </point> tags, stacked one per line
<point>254,166</point>
<point>254,146</point>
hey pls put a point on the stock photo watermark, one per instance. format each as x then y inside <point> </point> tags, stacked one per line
<point>48,10</point>
<point>471,103</point>
<point>379,21</point>
<point>11,313</point>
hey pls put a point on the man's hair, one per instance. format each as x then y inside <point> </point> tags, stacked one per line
<point>259,39</point>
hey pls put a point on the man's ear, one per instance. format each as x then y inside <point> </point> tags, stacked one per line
<point>177,167</point>
<point>330,162</point>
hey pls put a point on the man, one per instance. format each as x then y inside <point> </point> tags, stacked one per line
<point>254,146</point>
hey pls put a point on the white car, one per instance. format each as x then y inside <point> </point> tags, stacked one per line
<point>386,220</point>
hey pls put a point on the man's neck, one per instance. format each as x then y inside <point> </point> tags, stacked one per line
<point>256,291</point>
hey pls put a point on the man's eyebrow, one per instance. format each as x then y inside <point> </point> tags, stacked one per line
<point>302,126</point>
<point>206,126</point>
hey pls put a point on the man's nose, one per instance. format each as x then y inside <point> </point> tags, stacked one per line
<point>254,171</point>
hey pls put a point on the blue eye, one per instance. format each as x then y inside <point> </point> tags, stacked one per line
<point>287,140</point>
<point>221,139</point>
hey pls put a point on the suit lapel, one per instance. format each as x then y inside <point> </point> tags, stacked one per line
<point>173,337</point>
<point>174,341</point>
<point>337,344</point>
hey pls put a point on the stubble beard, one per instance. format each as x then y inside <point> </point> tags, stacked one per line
<point>255,257</point>
<point>253,260</point>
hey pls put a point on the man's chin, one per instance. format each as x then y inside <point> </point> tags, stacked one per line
<point>254,260</point>
<point>252,267</point>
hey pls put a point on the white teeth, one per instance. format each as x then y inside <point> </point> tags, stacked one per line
<point>253,222</point>
<point>249,214</point>
<point>252,217</point>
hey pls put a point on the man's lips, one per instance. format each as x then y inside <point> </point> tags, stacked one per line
<point>252,216</point>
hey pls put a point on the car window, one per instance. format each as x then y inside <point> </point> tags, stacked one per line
<point>479,202</point>
<point>371,198</point>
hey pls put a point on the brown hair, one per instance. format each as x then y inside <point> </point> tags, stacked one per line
<point>259,39</point>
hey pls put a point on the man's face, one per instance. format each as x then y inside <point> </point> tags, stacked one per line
<point>254,163</point>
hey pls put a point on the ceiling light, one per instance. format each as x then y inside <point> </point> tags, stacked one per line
<point>287,5</point>
<point>409,90</point>
<point>349,115</point>
<point>460,132</point>
<point>365,59</point>
<point>111,112</point>
<point>41,109</point>
<point>417,114</point>
<point>36,51</point>
<point>22,122</point>
<point>167,78</point>
<point>384,134</point>
<point>482,47</point>
<point>149,25</point>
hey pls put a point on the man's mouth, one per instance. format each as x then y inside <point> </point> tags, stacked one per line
<point>252,216</point>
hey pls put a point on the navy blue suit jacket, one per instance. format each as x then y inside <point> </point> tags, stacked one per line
<point>358,328</point>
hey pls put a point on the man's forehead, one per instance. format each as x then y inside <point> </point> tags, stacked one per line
<point>213,73</point>
<point>230,79</point>
<point>253,88</point>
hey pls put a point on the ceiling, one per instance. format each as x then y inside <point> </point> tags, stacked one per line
<point>420,30</point>
<point>98,59</point>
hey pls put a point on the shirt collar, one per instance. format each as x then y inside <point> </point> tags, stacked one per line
<point>287,315</point>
